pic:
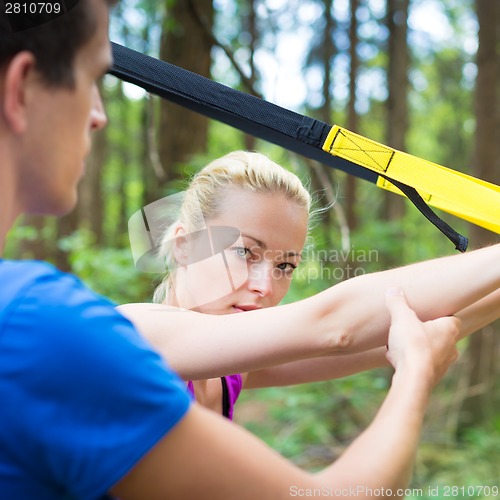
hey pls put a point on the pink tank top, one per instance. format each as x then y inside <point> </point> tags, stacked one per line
<point>231,388</point>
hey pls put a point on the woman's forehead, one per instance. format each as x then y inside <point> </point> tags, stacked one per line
<point>235,197</point>
<point>270,219</point>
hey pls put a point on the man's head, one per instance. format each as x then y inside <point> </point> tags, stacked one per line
<point>53,35</point>
<point>49,104</point>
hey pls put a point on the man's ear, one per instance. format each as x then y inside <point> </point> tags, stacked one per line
<point>17,78</point>
<point>180,246</point>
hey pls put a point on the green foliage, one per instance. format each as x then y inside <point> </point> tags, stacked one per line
<point>22,232</point>
<point>312,423</point>
<point>471,466</point>
<point>108,271</point>
<point>223,139</point>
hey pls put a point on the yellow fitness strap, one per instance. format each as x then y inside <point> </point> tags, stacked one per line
<point>459,194</point>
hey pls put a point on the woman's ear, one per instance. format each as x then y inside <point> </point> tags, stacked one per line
<point>180,246</point>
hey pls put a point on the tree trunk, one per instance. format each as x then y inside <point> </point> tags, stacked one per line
<point>66,226</point>
<point>250,140</point>
<point>397,101</point>
<point>152,172</point>
<point>183,133</point>
<point>352,115</point>
<point>484,347</point>
<point>327,53</point>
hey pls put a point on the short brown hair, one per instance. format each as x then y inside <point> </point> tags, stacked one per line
<point>54,40</point>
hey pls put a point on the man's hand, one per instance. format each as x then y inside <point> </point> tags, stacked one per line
<point>426,346</point>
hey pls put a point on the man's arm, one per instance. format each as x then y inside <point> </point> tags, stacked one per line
<point>205,456</point>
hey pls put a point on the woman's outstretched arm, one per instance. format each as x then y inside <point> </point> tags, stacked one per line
<point>345,319</point>
<point>472,318</point>
<point>434,288</point>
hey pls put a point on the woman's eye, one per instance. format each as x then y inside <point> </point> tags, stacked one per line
<point>241,251</point>
<point>287,267</point>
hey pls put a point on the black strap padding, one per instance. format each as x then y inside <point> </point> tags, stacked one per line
<point>250,114</point>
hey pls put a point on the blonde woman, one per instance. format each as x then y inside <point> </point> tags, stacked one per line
<point>220,328</point>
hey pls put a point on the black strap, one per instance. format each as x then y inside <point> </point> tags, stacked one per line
<point>225,397</point>
<point>459,240</point>
<point>245,112</point>
<point>294,132</point>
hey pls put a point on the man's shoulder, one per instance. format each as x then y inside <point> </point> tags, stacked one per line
<point>19,277</point>
<point>40,289</point>
<point>53,314</point>
<point>24,272</point>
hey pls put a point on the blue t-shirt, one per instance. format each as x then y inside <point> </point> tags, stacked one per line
<point>83,396</point>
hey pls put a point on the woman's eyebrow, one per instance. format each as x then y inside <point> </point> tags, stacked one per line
<point>261,244</point>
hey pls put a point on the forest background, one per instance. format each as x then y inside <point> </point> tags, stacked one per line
<point>422,76</point>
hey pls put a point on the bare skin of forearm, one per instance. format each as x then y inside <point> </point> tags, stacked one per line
<point>479,314</point>
<point>317,369</point>
<point>441,287</point>
<point>421,353</point>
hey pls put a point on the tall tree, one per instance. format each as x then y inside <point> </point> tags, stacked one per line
<point>327,53</point>
<point>253,33</point>
<point>352,115</point>
<point>484,347</point>
<point>397,82</point>
<point>323,53</point>
<point>185,42</point>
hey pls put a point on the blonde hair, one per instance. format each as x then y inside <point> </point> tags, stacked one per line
<point>204,197</point>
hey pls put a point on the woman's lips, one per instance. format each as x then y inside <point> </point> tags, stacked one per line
<point>245,308</point>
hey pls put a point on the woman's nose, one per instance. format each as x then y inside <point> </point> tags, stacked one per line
<point>260,279</point>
